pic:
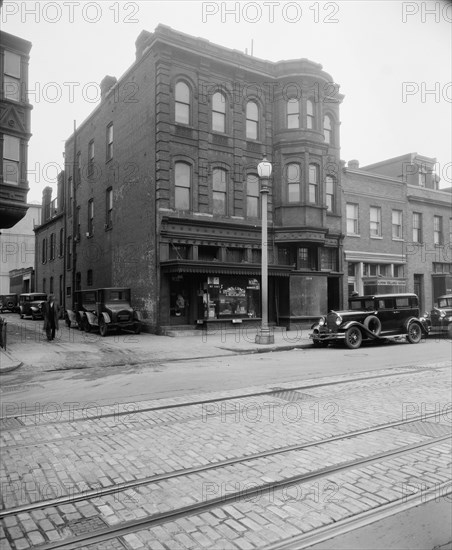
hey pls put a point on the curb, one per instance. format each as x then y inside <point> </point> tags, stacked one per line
<point>269,349</point>
<point>8,363</point>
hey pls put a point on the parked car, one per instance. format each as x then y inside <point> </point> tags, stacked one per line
<point>8,302</point>
<point>372,318</point>
<point>31,304</point>
<point>104,309</point>
<point>440,317</point>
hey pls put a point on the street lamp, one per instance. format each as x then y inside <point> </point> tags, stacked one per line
<point>264,336</point>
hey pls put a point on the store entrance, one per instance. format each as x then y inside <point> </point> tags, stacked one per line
<point>179,304</point>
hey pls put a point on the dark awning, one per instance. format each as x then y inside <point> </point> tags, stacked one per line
<point>214,268</point>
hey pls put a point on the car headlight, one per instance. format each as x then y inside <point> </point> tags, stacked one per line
<point>322,321</point>
<point>442,314</point>
<point>338,320</point>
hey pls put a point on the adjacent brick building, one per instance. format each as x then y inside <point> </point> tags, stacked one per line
<point>14,128</point>
<point>161,191</point>
<point>398,226</point>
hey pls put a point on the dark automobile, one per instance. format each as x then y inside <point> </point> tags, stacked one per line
<point>31,304</point>
<point>374,317</point>
<point>104,309</point>
<point>441,315</point>
<point>8,302</point>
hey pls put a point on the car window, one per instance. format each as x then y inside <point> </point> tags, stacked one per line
<point>355,304</point>
<point>386,303</point>
<point>402,302</point>
<point>445,302</point>
<point>369,305</point>
<point>89,298</point>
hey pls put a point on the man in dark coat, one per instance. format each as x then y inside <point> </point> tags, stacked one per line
<point>51,313</point>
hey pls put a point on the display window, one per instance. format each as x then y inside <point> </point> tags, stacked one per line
<point>227,297</point>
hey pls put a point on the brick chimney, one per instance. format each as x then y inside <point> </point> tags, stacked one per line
<point>353,164</point>
<point>143,40</point>
<point>106,85</point>
<point>46,200</point>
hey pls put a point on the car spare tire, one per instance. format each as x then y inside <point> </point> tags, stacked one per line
<point>373,324</point>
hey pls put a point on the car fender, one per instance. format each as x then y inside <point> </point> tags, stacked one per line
<point>92,318</point>
<point>35,309</point>
<point>71,316</point>
<point>423,323</point>
<point>362,327</point>
<point>137,316</point>
<point>106,317</point>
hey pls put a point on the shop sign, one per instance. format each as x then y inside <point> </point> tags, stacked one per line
<point>213,281</point>
<point>253,284</point>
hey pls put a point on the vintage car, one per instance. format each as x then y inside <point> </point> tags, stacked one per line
<point>31,304</point>
<point>8,302</point>
<point>372,318</point>
<point>104,309</point>
<point>440,317</point>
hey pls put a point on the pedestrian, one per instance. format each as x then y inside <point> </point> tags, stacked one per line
<point>51,311</point>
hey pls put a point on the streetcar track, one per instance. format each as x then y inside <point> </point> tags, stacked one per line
<point>152,520</point>
<point>271,391</point>
<point>100,492</point>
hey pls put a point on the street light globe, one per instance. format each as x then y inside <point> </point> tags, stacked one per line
<point>264,168</point>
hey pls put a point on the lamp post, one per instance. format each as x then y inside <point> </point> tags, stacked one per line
<point>264,336</point>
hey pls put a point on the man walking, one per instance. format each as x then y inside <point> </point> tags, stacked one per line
<point>51,312</point>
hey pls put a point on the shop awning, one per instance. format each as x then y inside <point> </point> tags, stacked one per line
<point>214,268</point>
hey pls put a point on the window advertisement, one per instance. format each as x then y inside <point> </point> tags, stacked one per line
<point>231,297</point>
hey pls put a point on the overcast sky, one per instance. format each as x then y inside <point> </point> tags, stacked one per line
<point>391,59</point>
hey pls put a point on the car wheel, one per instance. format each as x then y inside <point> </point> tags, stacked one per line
<point>414,334</point>
<point>86,325</point>
<point>353,337</point>
<point>21,315</point>
<point>373,324</point>
<point>33,317</point>
<point>137,328</point>
<point>103,328</point>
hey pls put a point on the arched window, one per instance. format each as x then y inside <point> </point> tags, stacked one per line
<point>182,103</point>
<point>219,112</point>
<point>313,183</point>
<point>293,113</point>
<point>252,196</point>
<point>310,116</point>
<point>330,191</point>
<point>328,129</point>
<point>182,186</point>
<point>293,172</point>
<point>252,120</point>
<point>219,194</point>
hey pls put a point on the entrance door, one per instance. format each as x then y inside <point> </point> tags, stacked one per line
<point>333,293</point>
<point>418,288</point>
<point>179,301</point>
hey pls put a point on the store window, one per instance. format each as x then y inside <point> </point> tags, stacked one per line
<point>219,193</point>
<point>229,297</point>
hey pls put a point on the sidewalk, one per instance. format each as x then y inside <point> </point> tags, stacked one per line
<point>73,349</point>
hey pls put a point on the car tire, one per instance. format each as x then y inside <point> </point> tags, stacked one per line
<point>373,324</point>
<point>103,328</point>
<point>137,328</point>
<point>414,334</point>
<point>86,325</point>
<point>353,338</point>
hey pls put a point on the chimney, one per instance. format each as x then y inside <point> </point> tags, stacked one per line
<point>141,43</point>
<point>106,85</point>
<point>353,164</point>
<point>46,200</point>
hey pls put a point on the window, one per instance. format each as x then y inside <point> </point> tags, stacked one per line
<point>327,129</point>
<point>235,255</point>
<point>89,277</point>
<point>252,120</point>
<point>44,285</point>
<point>330,188</point>
<point>352,219</point>
<point>78,281</point>
<point>310,119</point>
<point>375,221</point>
<point>109,207</point>
<point>438,229</point>
<point>11,76</point>
<point>77,223</point>
<point>11,159</point>
<point>219,112</point>
<point>52,247</point>
<point>293,113</point>
<point>44,251</point>
<point>252,196</point>
<point>397,225</point>
<point>450,232</point>
<point>182,103</point>
<point>71,196</point>
<point>51,285</point>
<point>293,182</point>
<point>179,252</point>
<point>398,271</point>
<point>307,258</point>
<point>182,186</point>
<point>219,191</point>
<point>69,252</point>
<point>422,178</point>
<point>90,158</point>
<point>109,142</point>
<point>78,176</point>
<point>329,259</point>
<point>61,247</point>
<point>417,227</point>
<point>314,183</point>
<point>68,291</point>
<point>90,216</point>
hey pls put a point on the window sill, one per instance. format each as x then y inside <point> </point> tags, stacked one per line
<point>398,239</point>
<point>378,238</point>
<point>353,235</point>
<point>108,227</point>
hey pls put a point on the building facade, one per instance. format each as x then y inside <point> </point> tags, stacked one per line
<point>161,192</point>
<point>398,227</point>
<point>14,128</point>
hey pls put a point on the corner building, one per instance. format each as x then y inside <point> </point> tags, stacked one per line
<point>163,194</point>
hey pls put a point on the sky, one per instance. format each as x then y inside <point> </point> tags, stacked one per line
<point>391,59</point>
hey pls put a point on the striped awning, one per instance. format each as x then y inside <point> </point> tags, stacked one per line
<point>215,268</point>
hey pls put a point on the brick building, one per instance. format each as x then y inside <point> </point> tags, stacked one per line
<point>14,128</point>
<point>398,227</point>
<point>162,195</point>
